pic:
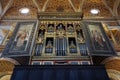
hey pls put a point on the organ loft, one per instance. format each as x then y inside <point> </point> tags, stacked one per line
<point>59,39</point>
<point>60,42</point>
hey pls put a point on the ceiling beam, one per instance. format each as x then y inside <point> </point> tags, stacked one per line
<point>72,5</point>
<point>106,5</point>
<point>81,6</point>
<point>9,4</point>
<point>117,12</point>
<point>45,5</point>
<point>0,8</point>
<point>115,8</point>
<point>36,4</point>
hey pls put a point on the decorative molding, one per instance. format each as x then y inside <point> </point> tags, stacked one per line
<point>60,16</point>
<point>10,60</point>
<point>61,58</point>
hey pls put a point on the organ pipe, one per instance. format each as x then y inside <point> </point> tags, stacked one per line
<point>60,37</point>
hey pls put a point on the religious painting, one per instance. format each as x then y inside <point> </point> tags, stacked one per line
<point>20,41</point>
<point>98,40</point>
<point>22,37</point>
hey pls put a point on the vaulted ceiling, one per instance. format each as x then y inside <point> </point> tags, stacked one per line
<point>9,9</point>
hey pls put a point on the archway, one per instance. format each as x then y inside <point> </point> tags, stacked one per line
<point>6,68</point>
<point>112,65</point>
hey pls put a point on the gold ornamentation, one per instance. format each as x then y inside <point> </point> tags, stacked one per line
<point>49,44</point>
<point>72,45</point>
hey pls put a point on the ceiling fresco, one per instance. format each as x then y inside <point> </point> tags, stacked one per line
<point>95,4</point>
<point>107,8</point>
<point>59,6</point>
<point>3,2</point>
<point>110,3</point>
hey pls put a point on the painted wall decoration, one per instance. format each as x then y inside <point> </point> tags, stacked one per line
<point>20,41</point>
<point>97,40</point>
<point>112,30</point>
<point>4,30</point>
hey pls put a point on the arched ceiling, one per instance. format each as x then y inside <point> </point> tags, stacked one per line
<point>3,2</point>
<point>97,4</point>
<point>10,8</point>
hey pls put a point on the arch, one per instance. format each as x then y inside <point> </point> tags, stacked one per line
<point>7,66</point>
<point>109,59</point>
<point>10,60</point>
<point>5,77</point>
<point>113,74</point>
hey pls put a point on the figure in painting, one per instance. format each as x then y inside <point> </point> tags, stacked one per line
<point>98,40</point>
<point>21,40</point>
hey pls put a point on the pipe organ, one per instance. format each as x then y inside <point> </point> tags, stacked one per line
<point>61,46</point>
<point>60,42</point>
